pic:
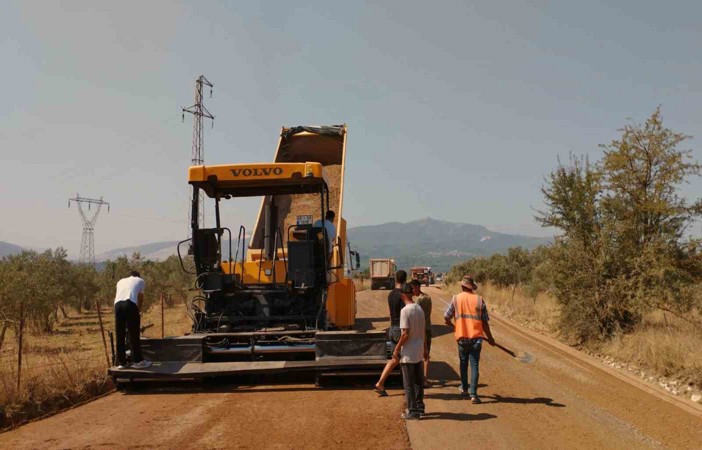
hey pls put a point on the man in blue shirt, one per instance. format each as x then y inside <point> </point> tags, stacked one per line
<point>328,224</point>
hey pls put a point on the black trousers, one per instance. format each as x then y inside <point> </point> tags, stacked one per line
<point>413,382</point>
<point>127,320</point>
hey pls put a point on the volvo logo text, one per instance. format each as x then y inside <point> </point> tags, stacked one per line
<point>262,172</point>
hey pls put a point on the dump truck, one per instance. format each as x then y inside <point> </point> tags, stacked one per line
<point>423,274</point>
<point>382,273</point>
<point>278,297</point>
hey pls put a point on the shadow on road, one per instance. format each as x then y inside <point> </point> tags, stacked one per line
<point>458,416</point>
<point>224,388</point>
<point>536,400</point>
<point>488,399</point>
<point>443,384</point>
<point>442,371</point>
<point>367,323</point>
<point>440,330</point>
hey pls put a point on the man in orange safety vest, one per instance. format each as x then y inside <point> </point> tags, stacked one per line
<point>471,316</point>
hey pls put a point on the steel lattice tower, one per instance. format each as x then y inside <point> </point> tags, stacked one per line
<point>198,111</point>
<point>87,241</point>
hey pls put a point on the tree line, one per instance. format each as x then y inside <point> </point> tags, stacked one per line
<point>625,244</point>
<point>517,268</point>
<point>41,288</point>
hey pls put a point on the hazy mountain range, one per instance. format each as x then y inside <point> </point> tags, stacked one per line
<point>430,242</point>
<point>156,251</point>
<point>427,241</point>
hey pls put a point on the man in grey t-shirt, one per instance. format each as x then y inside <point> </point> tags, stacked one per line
<point>411,351</point>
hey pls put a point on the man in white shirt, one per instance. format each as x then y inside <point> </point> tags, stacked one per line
<point>411,350</point>
<point>328,224</point>
<point>128,301</point>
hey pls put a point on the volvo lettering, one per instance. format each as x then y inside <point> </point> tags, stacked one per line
<point>258,172</point>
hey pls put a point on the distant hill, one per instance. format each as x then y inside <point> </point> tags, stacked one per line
<point>156,251</point>
<point>432,242</point>
<point>427,241</point>
<point>9,249</point>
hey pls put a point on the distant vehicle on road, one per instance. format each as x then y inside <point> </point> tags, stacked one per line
<point>382,273</point>
<point>423,274</point>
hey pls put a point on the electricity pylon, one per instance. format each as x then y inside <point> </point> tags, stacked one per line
<point>87,241</point>
<point>198,111</point>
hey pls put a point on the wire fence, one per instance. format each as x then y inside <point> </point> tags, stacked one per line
<point>45,362</point>
<point>41,371</point>
<point>62,362</point>
<point>78,350</point>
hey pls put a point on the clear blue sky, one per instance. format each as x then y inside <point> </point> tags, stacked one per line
<point>455,111</point>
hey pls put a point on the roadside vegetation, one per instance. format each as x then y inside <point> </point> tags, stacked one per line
<point>624,274</point>
<point>53,304</point>
<point>361,280</point>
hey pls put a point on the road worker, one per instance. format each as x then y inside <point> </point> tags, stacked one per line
<point>395,305</point>
<point>411,352</point>
<point>470,313</point>
<point>424,301</point>
<point>328,224</point>
<point>129,300</point>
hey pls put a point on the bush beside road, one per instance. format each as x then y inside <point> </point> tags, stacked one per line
<point>663,350</point>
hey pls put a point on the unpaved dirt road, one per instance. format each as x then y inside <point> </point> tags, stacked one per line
<point>563,400</point>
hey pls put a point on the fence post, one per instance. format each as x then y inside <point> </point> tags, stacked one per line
<point>102,332</point>
<point>19,349</point>
<point>162,319</point>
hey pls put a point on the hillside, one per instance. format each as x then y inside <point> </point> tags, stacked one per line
<point>9,249</point>
<point>156,251</point>
<point>432,242</point>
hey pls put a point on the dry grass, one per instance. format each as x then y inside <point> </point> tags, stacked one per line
<point>663,344</point>
<point>671,347</point>
<point>68,365</point>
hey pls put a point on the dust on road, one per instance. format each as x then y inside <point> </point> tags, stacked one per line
<point>558,401</point>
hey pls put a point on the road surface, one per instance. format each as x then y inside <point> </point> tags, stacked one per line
<point>562,400</point>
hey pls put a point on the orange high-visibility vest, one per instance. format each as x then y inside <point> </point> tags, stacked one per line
<point>469,316</point>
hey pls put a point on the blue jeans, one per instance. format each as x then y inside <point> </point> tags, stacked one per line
<point>469,352</point>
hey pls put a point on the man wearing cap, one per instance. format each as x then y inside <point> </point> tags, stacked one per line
<point>470,313</point>
<point>411,351</point>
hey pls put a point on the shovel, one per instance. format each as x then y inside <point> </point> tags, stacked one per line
<point>524,357</point>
